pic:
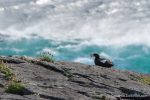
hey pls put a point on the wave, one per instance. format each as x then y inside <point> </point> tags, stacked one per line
<point>135,58</point>
<point>96,22</point>
<point>73,29</point>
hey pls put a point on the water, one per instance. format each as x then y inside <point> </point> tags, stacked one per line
<point>73,29</point>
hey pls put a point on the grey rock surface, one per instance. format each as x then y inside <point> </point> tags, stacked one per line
<point>72,81</point>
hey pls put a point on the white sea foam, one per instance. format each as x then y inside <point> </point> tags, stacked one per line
<point>84,60</point>
<point>41,2</point>
<point>96,22</point>
<point>17,50</point>
<point>48,50</point>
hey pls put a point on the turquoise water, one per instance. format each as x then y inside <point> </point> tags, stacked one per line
<point>133,57</point>
<point>73,29</point>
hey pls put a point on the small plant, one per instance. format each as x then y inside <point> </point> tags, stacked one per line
<point>103,98</point>
<point>15,88</point>
<point>46,56</point>
<point>142,79</point>
<point>5,70</point>
<point>145,79</point>
<point>67,73</point>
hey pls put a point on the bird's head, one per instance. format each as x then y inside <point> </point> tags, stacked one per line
<point>95,55</point>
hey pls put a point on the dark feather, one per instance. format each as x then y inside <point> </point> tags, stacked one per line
<point>99,61</point>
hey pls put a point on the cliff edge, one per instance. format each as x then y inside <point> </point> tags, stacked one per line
<point>42,80</point>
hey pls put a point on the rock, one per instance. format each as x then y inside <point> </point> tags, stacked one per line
<point>72,81</point>
<point>12,60</point>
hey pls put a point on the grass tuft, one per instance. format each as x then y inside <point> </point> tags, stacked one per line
<point>15,88</point>
<point>6,71</point>
<point>46,56</point>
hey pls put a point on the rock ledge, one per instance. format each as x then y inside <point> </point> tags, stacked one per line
<point>73,81</point>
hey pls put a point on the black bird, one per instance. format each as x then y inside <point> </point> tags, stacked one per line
<point>101,61</point>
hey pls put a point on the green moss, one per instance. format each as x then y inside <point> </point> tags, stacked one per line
<point>142,79</point>
<point>145,79</point>
<point>15,88</point>
<point>67,73</point>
